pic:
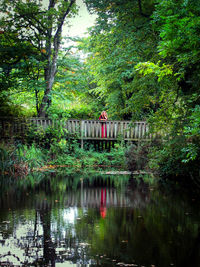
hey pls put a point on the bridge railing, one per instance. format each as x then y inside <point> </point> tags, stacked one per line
<point>114,129</point>
<point>85,129</point>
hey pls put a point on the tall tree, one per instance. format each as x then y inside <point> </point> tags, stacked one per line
<point>122,37</point>
<point>39,24</point>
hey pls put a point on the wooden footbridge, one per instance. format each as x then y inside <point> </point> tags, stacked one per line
<point>111,130</point>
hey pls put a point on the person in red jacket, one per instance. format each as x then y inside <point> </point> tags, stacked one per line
<point>103,117</point>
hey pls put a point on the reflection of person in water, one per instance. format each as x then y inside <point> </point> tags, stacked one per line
<point>103,118</point>
<point>103,203</point>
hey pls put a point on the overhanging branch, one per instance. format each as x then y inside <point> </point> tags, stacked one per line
<point>61,20</point>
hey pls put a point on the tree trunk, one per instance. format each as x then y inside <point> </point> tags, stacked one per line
<point>52,56</point>
<point>46,100</point>
<point>50,73</point>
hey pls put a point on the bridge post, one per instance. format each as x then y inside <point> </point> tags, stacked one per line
<point>82,127</point>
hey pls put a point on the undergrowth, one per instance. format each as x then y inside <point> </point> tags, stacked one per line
<point>20,159</point>
<point>75,156</point>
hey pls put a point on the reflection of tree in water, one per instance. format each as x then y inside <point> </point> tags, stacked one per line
<point>138,192</point>
<point>134,225</point>
<point>49,254</point>
<point>150,232</point>
<point>194,253</point>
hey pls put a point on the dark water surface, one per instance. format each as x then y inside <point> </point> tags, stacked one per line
<point>77,220</point>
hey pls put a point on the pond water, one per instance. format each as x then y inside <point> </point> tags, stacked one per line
<point>79,220</point>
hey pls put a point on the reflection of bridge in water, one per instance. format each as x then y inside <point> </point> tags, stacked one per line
<point>100,196</point>
<point>48,239</point>
<point>83,196</point>
<point>93,197</point>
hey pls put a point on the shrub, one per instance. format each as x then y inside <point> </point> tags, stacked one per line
<point>137,156</point>
<point>31,155</point>
<point>44,137</point>
<point>168,160</point>
<point>20,159</point>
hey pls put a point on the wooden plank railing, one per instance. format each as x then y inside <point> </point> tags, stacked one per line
<point>85,129</point>
<point>114,129</point>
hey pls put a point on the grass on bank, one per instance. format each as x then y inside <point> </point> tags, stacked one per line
<point>20,159</point>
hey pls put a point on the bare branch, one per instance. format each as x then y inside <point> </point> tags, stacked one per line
<point>62,19</point>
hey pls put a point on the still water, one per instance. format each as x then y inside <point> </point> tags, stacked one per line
<point>79,220</point>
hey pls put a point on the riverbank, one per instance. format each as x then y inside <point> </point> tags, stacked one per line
<point>20,159</point>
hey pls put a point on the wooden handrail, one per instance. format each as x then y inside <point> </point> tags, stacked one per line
<point>85,129</point>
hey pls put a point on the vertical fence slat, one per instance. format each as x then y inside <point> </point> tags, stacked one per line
<point>97,129</point>
<point>92,129</point>
<point>81,129</point>
<point>85,128</point>
<point>108,129</point>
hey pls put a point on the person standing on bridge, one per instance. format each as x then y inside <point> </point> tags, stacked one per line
<point>103,118</point>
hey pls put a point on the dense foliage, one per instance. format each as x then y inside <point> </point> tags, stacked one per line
<point>141,62</point>
<point>36,28</point>
<point>144,56</point>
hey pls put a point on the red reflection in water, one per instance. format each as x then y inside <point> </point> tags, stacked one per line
<point>103,203</point>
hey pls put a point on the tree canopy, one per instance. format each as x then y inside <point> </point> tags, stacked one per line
<point>140,61</point>
<point>38,26</point>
